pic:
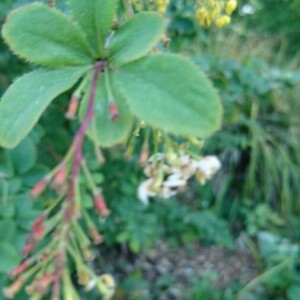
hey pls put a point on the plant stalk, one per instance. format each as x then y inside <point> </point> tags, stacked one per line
<point>79,138</point>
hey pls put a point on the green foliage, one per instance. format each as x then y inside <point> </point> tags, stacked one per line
<point>103,131</point>
<point>262,218</point>
<point>195,100</point>
<point>18,172</point>
<point>19,111</point>
<point>276,18</point>
<point>182,23</point>
<point>281,276</point>
<point>95,18</point>
<point>157,92</point>
<point>139,227</point>
<point>203,289</point>
<point>259,147</point>
<point>9,256</point>
<point>260,158</point>
<point>144,30</point>
<point>59,45</point>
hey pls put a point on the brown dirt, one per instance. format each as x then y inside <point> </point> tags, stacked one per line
<point>194,261</point>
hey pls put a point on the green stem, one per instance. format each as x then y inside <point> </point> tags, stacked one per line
<point>88,176</point>
<point>30,272</point>
<point>80,235</point>
<point>129,9</point>
<point>84,83</point>
<point>88,219</point>
<point>82,266</point>
<point>69,290</point>
<point>56,203</point>
<point>54,222</point>
<point>147,137</point>
<point>157,140</point>
<point>79,263</point>
<point>263,277</point>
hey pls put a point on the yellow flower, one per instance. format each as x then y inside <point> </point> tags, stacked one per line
<point>162,9</point>
<point>214,13</point>
<point>203,17</point>
<point>231,6</point>
<point>202,13</point>
<point>222,21</point>
<point>162,6</point>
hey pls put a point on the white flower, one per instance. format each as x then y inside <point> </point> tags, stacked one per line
<point>172,184</point>
<point>156,157</point>
<point>175,180</point>
<point>166,192</point>
<point>185,160</point>
<point>207,167</point>
<point>154,164</point>
<point>167,178</point>
<point>186,166</point>
<point>144,191</point>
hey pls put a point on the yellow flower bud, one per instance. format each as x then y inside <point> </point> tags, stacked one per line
<point>162,9</point>
<point>214,13</point>
<point>212,3</point>
<point>222,21</point>
<point>231,6</point>
<point>206,22</point>
<point>201,13</point>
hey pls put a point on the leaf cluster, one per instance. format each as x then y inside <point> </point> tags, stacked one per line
<point>19,171</point>
<point>166,91</point>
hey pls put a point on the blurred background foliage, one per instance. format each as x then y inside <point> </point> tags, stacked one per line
<point>252,207</point>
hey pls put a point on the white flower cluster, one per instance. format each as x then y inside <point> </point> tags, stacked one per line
<point>169,174</point>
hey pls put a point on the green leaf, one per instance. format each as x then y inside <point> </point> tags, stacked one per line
<point>27,98</point>
<point>95,17</point>
<point>20,240</point>
<point>122,237</point>
<point>169,92</point>
<point>3,282</point>
<point>7,230</point>
<point>35,175</point>
<point>6,166</point>
<point>9,257</point>
<point>103,131</point>
<point>7,210</point>
<point>14,185</point>
<point>46,37</point>
<point>293,292</point>
<point>134,245</point>
<point>87,201</point>
<point>24,156</point>
<point>136,38</point>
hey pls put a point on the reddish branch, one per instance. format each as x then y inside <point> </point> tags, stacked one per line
<point>76,148</point>
<point>79,138</point>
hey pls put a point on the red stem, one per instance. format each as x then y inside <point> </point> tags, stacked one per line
<point>76,148</point>
<point>79,137</point>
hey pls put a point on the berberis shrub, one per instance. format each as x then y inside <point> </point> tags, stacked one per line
<point>122,81</point>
